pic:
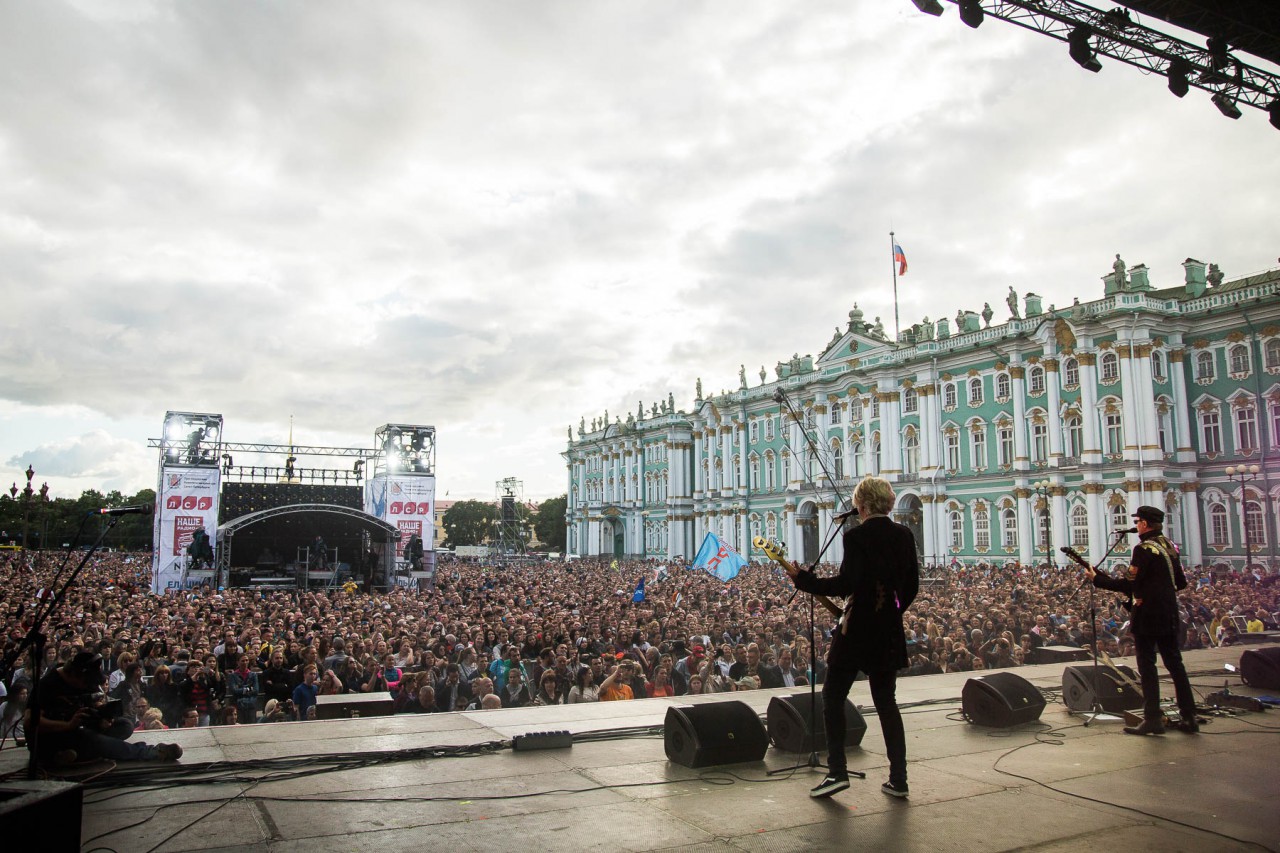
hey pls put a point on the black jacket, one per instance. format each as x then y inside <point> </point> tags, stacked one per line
<point>1153,579</point>
<point>880,570</point>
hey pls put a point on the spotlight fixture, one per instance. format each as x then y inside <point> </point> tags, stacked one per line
<point>1219,56</point>
<point>1080,50</point>
<point>1273,112</point>
<point>929,7</point>
<point>971,13</point>
<point>1179,70</point>
<point>1226,105</point>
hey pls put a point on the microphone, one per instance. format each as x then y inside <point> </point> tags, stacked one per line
<point>1125,530</point>
<point>778,396</point>
<point>143,509</point>
<point>846,515</point>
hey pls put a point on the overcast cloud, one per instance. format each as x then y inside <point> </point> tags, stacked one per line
<point>499,217</point>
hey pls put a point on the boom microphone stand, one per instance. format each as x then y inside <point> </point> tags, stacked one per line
<point>1097,713</point>
<point>814,761</point>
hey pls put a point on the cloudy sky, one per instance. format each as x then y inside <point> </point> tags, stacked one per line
<point>499,217</point>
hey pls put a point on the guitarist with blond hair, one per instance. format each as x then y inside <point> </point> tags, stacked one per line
<point>879,575</point>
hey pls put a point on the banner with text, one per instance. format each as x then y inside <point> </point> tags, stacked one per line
<point>186,501</point>
<point>409,503</point>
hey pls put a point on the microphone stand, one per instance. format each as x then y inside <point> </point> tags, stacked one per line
<point>36,640</point>
<point>1097,713</point>
<point>814,761</point>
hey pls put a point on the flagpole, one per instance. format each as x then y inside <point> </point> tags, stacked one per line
<point>893,264</point>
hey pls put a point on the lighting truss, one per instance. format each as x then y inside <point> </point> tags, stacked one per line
<point>1118,37</point>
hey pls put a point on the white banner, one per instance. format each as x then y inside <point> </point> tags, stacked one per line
<point>186,501</point>
<point>409,503</point>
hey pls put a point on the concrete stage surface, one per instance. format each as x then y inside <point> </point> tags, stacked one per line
<point>1054,785</point>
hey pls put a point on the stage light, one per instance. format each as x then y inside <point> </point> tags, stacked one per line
<point>1225,105</point>
<point>1273,111</point>
<point>1219,56</point>
<point>929,7</point>
<point>1179,70</point>
<point>1080,50</point>
<point>971,13</point>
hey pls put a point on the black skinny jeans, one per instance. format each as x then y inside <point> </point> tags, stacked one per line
<point>883,694</point>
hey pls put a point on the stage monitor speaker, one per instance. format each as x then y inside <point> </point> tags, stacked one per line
<point>46,813</point>
<point>1001,700</point>
<point>342,706</point>
<point>1056,654</point>
<point>789,720</point>
<point>1261,668</point>
<point>714,733</point>
<point>1113,695</point>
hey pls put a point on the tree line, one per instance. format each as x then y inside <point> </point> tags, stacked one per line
<point>55,523</point>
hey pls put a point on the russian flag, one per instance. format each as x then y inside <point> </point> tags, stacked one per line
<point>900,258</point>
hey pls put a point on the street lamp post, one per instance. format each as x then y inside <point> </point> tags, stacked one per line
<point>1244,474</point>
<point>1042,488</point>
<point>26,507</point>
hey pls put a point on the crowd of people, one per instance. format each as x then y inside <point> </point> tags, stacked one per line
<point>491,636</point>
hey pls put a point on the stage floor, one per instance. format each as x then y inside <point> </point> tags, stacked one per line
<point>1054,786</point>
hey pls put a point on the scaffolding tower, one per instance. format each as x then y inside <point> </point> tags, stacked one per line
<point>511,527</point>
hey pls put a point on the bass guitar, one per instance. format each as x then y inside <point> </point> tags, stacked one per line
<point>776,551</point>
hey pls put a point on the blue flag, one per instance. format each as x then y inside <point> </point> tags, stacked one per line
<point>718,558</point>
<point>638,595</point>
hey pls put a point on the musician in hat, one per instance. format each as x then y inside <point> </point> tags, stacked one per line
<point>1153,579</point>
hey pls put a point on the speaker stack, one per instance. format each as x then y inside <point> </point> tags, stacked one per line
<point>714,733</point>
<point>789,718</point>
<point>1080,691</point>
<point>1261,668</point>
<point>1001,700</point>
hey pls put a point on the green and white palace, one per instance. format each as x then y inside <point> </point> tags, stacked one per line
<point>1004,441</point>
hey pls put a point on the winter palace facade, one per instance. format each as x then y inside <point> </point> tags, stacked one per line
<point>1004,442</point>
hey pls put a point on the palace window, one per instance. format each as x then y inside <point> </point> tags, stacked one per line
<point>1253,523</point>
<point>855,410</point>
<point>1246,429</point>
<point>1113,427</point>
<point>875,455</point>
<point>957,529</point>
<point>1075,436</point>
<point>1039,442</point>
<point>835,413</point>
<point>1210,431</point>
<point>975,391</point>
<point>1204,367</point>
<point>949,395</point>
<point>1109,366</point>
<point>1239,360</point>
<point>1005,436</point>
<point>837,458</point>
<point>1218,525</point>
<point>1157,366</point>
<point>770,471</point>
<point>855,459</point>
<point>1035,379</point>
<point>1002,386</point>
<point>753,432</point>
<point>911,455</point>
<point>1079,526</point>
<point>981,528</point>
<point>1009,522</point>
<point>1071,373</point>
<point>1272,351</point>
<point>910,401</point>
<point>979,438</point>
<point>755,473</point>
<point>952,442</point>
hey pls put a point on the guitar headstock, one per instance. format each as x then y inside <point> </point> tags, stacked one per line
<point>774,550</point>
<point>1074,555</point>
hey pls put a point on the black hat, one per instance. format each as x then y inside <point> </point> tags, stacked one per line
<point>1149,514</point>
<point>89,665</point>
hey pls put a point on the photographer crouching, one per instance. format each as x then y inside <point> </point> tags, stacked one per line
<point>77,724</point>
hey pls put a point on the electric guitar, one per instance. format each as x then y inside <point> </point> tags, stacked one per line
<point>1071,552</point>
<point>776,551</point>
